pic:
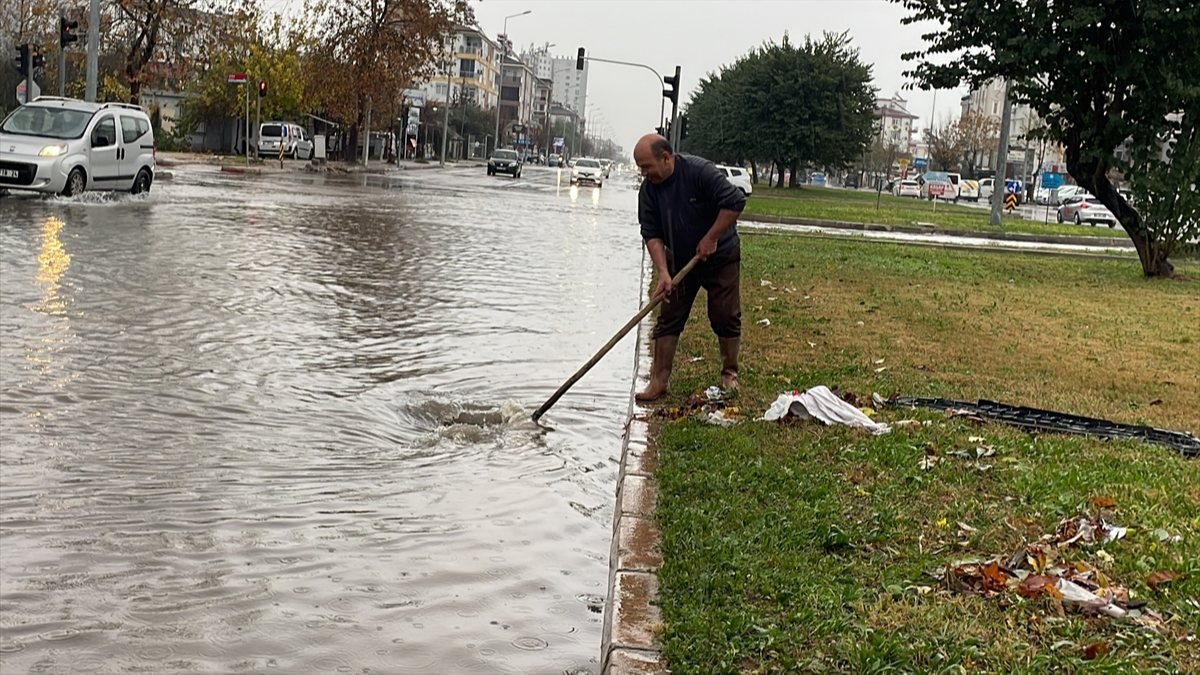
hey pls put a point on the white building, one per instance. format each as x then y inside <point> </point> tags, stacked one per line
<point>569,85</point>
<point>1024,152</point>
<point>895,123</point>
<point>474,73</point>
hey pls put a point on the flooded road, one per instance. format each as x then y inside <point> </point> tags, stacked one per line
<point>280,424</point>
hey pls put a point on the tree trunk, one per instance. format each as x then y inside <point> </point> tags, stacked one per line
<point>753,171</point>
<point>795,178</point>
<point>1092,174</point>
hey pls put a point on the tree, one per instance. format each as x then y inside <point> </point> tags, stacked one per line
<point>369,51</point>
<point>945,147</point>
<point>273,51</point>
<point>166,42</point>
<point>980,137</point>
<point>1166,189</point>
<point>805,104</point>
<point>1101,74</point>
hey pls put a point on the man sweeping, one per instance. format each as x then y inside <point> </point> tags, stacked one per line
<point>686,207</point>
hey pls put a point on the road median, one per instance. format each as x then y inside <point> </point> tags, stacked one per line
<point>794,546</point>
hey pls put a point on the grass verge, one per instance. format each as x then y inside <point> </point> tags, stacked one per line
<point>854,206</point>
<point>800,547</point>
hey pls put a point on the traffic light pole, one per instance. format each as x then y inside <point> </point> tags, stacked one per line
<point>62,71</point>
<point>93,49</point>
<point>675,112</point>
<point>661,84</point>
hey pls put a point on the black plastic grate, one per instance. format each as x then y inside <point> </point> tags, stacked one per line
<point>1047,420</point>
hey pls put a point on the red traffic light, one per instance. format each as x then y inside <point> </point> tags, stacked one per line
<point>66,31</point>
<point>262,88</point>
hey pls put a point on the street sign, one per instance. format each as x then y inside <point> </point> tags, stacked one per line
<point>1051,180</point>
<point>903,161</point>
<point>1010,202</point>
<point>236,78</point>
<point>937,189</point>
<point>920,162</point>
<point>558,142</point>
<point>37,91</point>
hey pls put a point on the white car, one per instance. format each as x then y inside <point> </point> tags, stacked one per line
<point>66,146</point>
<point>296,142</point>
<point>587,170</point>
<point>1083,208</point>
<point>1060,194</point>
<point>908,188</point>
<point>738,177</point>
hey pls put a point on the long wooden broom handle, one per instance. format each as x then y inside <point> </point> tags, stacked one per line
<point>613,341</point>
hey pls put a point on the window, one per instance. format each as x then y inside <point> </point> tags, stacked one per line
<point>129,129</point>
<point>736,172</point>
<point>143,127</point>
<point>105,133</point>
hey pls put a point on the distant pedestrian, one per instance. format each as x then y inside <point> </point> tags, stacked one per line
<point>686,207</point>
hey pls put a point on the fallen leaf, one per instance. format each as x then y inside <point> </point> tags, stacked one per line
<point>695,359</point>
<point>1035,585</point>
<point>881,369</point>
<point>928,462</point>
<point>1160,579</point>
<point>1103,503</point>
<point>976,439</point>
<point>966,528</point>
<point>1095,650</point>
<point>1157,401</point>
<point>878,361</point>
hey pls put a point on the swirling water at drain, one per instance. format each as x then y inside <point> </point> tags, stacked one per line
<point>269,425</point>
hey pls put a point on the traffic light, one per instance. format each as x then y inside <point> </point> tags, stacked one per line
<point>579,60</point>
<point>673,83</point>
<point>262,88</point>
<point>66,32</point>
<point>22,59</point>
<point>682,127</point>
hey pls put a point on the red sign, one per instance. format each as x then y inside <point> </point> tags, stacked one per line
<point>937,189</point>
<point>237,78</point>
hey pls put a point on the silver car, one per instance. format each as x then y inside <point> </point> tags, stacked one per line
<point>65,146</point>
<point>1083,208</point>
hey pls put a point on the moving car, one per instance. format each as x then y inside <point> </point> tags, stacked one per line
<point>504,161</point>
<point>587,170</point>
<point>66,146</point>
<point>968,189</point>
<point>738,177</point>
<point>607,165</point>
<point>1084,208</point>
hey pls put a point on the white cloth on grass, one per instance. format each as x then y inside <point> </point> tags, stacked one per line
<point>822,404</point>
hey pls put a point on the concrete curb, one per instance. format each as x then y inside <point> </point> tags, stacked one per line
<point>933,229</point>
<point>632,619</point>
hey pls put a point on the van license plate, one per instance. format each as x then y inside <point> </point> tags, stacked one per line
<point>9,173</point>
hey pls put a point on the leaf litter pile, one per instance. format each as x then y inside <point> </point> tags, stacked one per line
<point>1055,568</point>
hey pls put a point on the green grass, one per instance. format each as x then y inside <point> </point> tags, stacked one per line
<point>855,206</point>
<point>801,548</point>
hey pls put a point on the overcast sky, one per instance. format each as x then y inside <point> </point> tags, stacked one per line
<point>701,36</point>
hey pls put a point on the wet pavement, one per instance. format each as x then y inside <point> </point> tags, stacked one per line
<point>280,423</point>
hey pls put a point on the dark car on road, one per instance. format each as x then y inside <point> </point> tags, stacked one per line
<point>505,161</point>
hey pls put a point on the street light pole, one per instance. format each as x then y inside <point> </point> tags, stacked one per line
<point>445,120</point>
<point>500,88</point>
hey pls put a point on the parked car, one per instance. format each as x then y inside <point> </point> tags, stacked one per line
<point>296,142</point>
<point>817,178</point>
<point>968,189</point>
<point>738,177</point>
<point>587,170</point>
<point>851,181</point>
<point>987,186</point>
<point>1063,192</point>
<point>909,187</point>
<point>504,161</point>
<point>66,146</point>
<point>1084,208</point>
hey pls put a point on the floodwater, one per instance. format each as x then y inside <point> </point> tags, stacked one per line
<point>281,424</point>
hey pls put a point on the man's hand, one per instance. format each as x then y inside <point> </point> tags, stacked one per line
<point>707,247</point>
<point>664,287</point>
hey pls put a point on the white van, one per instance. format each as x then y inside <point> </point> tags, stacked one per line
<point>66,146</point>
<point>295,140</point>
<point>738,177</point>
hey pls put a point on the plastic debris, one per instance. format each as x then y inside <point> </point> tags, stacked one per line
<point>822,404</point>
<point>764,322</point>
